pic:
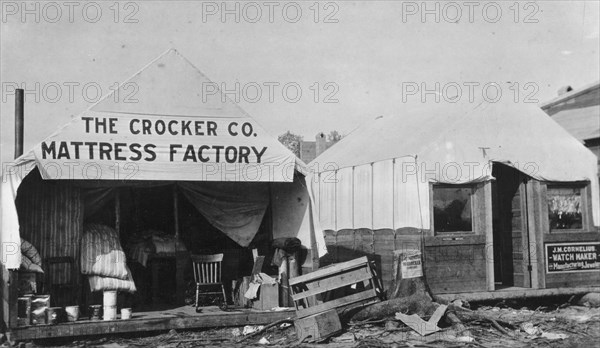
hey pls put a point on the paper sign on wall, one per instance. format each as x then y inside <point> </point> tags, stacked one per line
<point>410,264</point>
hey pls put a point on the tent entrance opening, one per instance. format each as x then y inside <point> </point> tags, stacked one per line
<point>512,265</point>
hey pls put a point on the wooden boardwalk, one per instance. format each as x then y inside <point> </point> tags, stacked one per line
<point>176,318</point>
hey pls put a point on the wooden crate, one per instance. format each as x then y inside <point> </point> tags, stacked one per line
<point>268,297</point>
<point>318,327</point>
<point>306,288</point>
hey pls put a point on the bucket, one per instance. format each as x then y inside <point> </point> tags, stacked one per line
<point>125,313</point>
<point>72,313</point>
<point>110,298</point>
<point>39,304</point>
<point>95,312</point>
<point>109,313</point>
<point>53,315</point>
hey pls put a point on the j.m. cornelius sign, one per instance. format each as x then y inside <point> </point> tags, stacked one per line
<point>572,257</point>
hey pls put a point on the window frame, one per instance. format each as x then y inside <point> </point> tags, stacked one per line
<point>586,210</point>
<point>475,188</point>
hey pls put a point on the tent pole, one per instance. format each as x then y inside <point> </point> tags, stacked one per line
<point>176,212</point>
<point>118,212</point>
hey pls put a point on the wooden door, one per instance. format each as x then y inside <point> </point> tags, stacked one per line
<point>511,241</point>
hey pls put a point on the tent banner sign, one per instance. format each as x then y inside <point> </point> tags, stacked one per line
<point>572,257</point>
<point>139,147</point>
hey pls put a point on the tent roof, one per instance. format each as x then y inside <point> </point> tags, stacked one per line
<point>169,89</point>
<point>443,133</point>
<point>170,85</point>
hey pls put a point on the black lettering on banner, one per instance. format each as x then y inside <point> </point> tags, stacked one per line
<point>185,127</point>
<point>149,148</point>
<point>211,128</point>
<point>104,151</point>
<point>162,129</point>
<point>131,129</point>
<point>189,154</point>
<point>231,154</point>
<point>112,124</point>
<point>173,150</point>
<point>231,132</point>
<point>247,129</point>
<point>146,126</point>
<point>198,125</point>
<point>173,132</point>
<point>118,149</point>
<point>218,149</point>
<point>135,148</point>
<point>90,146</point>
<point>87,123</point>
<point>201,156</point>
<point>259,154</point>
<point>76,144</point>
<point>48,150</point>
<point>63,151</point>
<point>243,154</point>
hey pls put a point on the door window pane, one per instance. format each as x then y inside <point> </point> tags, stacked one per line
<point>564,208</point>
<point>452,209</point>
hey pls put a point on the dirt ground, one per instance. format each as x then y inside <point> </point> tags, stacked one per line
<point>553,323</point>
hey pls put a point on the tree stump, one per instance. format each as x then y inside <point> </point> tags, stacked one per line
<point>409,293</point>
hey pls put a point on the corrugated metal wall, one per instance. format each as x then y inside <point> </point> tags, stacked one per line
<point>51,218</point>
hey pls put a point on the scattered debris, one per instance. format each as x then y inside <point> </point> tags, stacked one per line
<point>257,330</point>
<point>249,329</point>
<point>531,330</point>
<point>421,326</point>
<point>263,340</point>
<point>347,337</point>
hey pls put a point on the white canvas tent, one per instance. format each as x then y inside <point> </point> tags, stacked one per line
<point>378,176</point>
<point>176,127</point>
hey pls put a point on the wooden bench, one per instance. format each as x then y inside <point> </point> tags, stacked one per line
<point>306,287</point>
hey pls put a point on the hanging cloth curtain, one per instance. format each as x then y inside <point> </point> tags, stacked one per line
<point>236,209</point>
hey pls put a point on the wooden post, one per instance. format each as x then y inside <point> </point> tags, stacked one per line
<point>533,216</point>
<point>9,298</point>
<point>181,258</point>
<point>489,236</point>
<point>12,298</point>
<point>176,212</point>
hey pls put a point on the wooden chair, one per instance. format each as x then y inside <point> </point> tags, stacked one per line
<point>207,273</point>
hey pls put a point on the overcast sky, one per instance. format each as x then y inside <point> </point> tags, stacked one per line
<point>364,58</point>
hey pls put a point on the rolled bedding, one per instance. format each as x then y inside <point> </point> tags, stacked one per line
<point>31,261</point>
<point>98,283</point>
<point>101,253</point>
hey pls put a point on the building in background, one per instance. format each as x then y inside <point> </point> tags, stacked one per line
<point>309,150</point>
<point>578,111</point>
